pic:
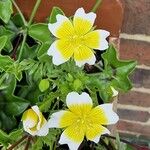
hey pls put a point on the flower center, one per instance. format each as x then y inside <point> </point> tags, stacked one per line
<point>84,122</point>
<point>76,40</point>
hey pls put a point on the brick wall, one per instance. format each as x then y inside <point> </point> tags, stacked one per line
<point>134,107</point>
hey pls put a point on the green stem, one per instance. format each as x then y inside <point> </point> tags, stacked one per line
<point>19,11</point>
<point>22,46</point>
<point>99,67</point>
<point>97,4</point>
<point>34,12</point>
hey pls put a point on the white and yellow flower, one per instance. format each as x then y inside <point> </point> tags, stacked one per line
<point>34,122</point>
<point>76,38</point>
<point>82,120</point>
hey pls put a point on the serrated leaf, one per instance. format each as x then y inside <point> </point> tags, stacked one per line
<point>5,10</point>
<point>54,13</point>
<point>120,69</point>
<point>3,40</point>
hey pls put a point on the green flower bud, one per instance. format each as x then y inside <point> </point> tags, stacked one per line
<point>77,84</point>
<point>43,85</point>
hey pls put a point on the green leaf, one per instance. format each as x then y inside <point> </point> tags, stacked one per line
<point>5,62</point>
<point>14,105</point>
<point>3,40</point>
<point>14,135</point>
<point>51,137</point>
<point>77,85</point>
<point>43,85</point>
<point>15,69</point>
<point>17,20</point>
<point>3,138</point>
<point>106,93</point>
<point>29,52</point>
<point>54,13</point>
<point>38,144</point>
<point>10,35</point>
<point>120,69</point>
<point>5,10</point>
<point>40,32</point>
<point>7,122</point>
<point>42,52</point>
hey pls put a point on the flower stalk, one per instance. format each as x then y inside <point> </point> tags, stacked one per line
<point>97,4</point>
<point>19,11</point>
<point>34,11</point>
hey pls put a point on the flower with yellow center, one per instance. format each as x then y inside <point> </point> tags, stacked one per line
<point>76,38</point>
<point>82,120</point>
<point>34,122</point>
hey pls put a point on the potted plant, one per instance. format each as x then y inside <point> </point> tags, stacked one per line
<point>49,99</point>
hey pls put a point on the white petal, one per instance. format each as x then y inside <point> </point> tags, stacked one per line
<point>90,61</point>
<point>111,116</point>
<point>62,28</point>
<point>72,144</point>
<point>74,98</point>
<point>97,138</point>
<point>103,42</point>
<point>29,123</point>
<point>54,121</point>
<point>43,131</point>
<point>27,129</point>
<point>37,111</point>
<point>87,16</point>
<point>57,57</point>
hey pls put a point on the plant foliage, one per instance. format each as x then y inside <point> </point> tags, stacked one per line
<point>28,76</point>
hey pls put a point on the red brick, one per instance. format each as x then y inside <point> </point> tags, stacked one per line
<point>135,98</point>
<point>141,140</point>
<point>134,127</point>
<point>135,115</point>
<point>141,78</point>
<point>137,17</point>
<point>136,50</point>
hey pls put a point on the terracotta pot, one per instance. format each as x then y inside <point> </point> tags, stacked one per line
<point>109,14</point>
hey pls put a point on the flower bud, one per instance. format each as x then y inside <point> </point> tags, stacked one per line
<point>77,84</point>
<point>44,85</point>
<point>34,122</point>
